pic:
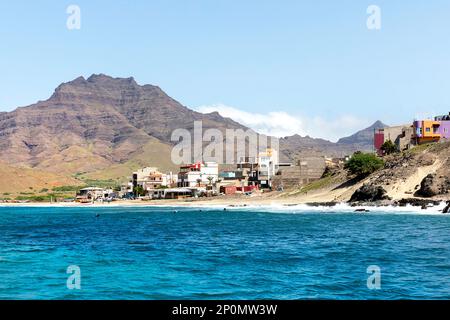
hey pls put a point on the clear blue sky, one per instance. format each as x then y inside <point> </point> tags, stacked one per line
<point>307,58</point>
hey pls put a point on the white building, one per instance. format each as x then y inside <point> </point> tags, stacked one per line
<point>199,174</point>
<point>267,166</point>
<point>150,178</point>
<point>94,194</point>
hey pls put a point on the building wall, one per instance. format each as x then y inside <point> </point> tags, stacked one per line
<point>228,189</point>
<point>405,141</point>
<point>427,131</point>
<point>304,171</point>
<point>444,129</point>
<point>401,136</point>
<point>191,178</point>
<point>267,164</point>
<point>145,172</point>
<point>392,133</point>
<point>378,141</point>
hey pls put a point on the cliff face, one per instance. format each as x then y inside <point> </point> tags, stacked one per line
<point>147,107</point>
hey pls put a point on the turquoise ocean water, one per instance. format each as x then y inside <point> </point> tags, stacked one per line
<point>243,253</point>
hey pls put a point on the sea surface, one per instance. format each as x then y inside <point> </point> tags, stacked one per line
<point>212,253</point>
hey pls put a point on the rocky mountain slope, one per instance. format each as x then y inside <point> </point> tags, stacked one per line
<point>90,124</point>
<point>362,139</point>
<point>297,146</point>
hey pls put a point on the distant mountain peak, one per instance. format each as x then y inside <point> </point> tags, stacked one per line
<point>377,125</point>
<point>102,78</point>
<point>363,137</point>
<point>80,79</point>
<point>104,88</point>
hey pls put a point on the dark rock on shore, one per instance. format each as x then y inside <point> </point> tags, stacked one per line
<point>433,185</point>
<point>378,203</point>
<point>369,193</point>
<point>322,204</point>
<point>424,203</point>
<point>447,208</point>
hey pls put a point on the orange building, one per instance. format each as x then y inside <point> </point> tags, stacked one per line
<point>427,131</point>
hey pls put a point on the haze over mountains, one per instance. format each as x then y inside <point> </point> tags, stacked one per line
<point>105,127</point>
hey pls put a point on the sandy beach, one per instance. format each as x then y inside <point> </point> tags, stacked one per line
<point>248,203</point>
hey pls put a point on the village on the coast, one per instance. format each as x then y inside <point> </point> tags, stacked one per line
<point>260,174</point>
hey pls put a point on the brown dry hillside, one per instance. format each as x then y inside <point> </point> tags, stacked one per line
<point>14,180</point>
<point>152,152</point>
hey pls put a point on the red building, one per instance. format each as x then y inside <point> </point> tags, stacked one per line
<point>378,141</point>
<point>228,189</point>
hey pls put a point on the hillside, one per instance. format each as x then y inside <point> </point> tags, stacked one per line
<point>298,146</point>
<point>422,172</point>
<point>362,139</point>
<point>15,179</point>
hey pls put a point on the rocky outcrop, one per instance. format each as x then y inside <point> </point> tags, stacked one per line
<point>322,204</point>
<point>428,187</point>
<point>447,208</point>
<point>415,202</point>
<point>433,185</point>
<point>369,193</point>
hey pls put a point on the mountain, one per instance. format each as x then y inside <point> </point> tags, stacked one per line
<point>296,146</point>
<point>104,128</point>
<point>146,108</point>
<point>364,138</point>
<point>88,125</point>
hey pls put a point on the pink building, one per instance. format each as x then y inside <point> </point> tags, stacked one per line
<point>444,128</point>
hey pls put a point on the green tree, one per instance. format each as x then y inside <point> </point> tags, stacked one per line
<point>139,191</point>
<point>364,163</point>
<point>389,147</point>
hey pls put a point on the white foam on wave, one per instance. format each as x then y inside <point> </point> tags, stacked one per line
<point>341,208</point>
<point>263,208</point>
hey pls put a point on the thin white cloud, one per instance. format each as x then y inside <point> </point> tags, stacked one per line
<point>277,124</point>
<point>281,124</point>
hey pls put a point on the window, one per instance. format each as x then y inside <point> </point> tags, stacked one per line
<point>427,129</point>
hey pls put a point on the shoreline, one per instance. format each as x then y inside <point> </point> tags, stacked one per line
<point>435,206</point>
